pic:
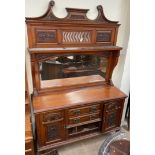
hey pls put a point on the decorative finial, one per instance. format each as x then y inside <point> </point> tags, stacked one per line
<point>51,3</point>
<point>99,7</point>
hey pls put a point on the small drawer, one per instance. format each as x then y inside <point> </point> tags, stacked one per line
<point>83,118</point>
<point>84,110</point>
<point>112,106</point>
<point>53,116</point>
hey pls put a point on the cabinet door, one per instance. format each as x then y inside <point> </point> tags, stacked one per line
<point>112,115</point>
<point>54,132</point>
<point>50,127</point>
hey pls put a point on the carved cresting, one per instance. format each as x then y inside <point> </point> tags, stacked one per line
<point>73,15</point>
<point>52,116</point>
<point>76,37</point>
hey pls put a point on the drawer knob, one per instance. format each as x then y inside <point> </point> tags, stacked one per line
<point>77,112</point>
<point>77,120</point>
<point>93,109</point>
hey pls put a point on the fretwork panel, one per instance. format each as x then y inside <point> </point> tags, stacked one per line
<point>76,37</point>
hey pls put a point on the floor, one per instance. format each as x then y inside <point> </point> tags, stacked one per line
<point>85,147</point>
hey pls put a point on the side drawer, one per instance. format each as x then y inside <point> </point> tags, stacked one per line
<point>84,110</point>
<point>115,105</point>
<point>83,119</point>
<point>53,116</point>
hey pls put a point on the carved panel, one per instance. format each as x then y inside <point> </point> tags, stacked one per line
<point>112,106</point>
<point>103,36</point>
<point>111,120</point>
<point>52,132</point>
<point>76,37</point>
<point>77,17</point>
<point>52,116</point>
<point>46,36</point>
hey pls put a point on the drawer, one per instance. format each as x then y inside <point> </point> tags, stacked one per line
<point>113,106</point>
<point>53,116</point>
<point>83,118</point>
<point>84,110</point>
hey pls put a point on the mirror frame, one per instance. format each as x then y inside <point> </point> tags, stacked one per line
<point>112,57</point>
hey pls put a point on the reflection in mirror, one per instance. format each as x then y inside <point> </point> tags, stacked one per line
<point>73,66</point>
<point>73,70</point>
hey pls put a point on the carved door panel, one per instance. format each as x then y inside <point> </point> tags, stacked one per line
<point>112,115</point>
<point>54,132</point>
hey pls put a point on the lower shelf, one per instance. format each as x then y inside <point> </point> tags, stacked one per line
<point>71,140</point>
<point>83,129</point>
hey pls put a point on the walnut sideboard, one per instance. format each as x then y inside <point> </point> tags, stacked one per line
<point>72,61</point>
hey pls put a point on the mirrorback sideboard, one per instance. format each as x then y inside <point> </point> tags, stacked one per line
<point>72,61</point>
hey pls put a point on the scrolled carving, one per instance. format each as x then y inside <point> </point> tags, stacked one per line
<point>52,116</point>
<point>43,57</point>
<point>73,15</point>
<point>101,17</point>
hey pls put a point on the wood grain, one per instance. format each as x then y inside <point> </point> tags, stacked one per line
<point>75,97</point>
<point>67,82</point>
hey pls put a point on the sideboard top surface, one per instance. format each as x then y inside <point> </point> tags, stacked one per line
<point>75,97</point>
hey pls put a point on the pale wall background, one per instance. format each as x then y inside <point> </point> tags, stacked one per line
<point>117,10</point>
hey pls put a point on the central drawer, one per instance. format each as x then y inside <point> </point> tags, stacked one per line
<point>82,119</point>
<point>83,110</point>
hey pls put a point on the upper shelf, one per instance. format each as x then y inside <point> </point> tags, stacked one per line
<point>74,49</point>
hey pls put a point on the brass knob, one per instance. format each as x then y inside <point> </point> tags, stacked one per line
<point>77,120</point>
<point>77,112</point>
<point>93,109</point>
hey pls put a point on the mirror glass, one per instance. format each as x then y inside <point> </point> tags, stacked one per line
<point>72,66</point>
